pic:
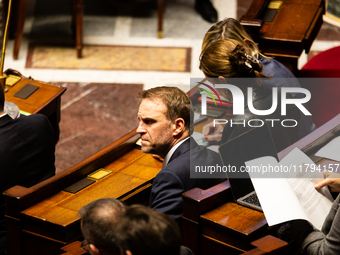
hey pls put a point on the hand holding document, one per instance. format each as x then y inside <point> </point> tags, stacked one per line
<point>291,194</point>
<point>331,151</point>
<point>332,180</point>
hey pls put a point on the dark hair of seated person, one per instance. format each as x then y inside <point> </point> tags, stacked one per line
<point>144,231</point>
<point>98,223</point>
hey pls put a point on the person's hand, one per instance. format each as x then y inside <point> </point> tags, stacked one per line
<point>332,180</point>
<point>212,133</point>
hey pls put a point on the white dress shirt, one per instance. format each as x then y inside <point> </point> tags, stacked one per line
<point>172,150</point>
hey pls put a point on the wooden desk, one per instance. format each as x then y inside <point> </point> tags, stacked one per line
<point>45,216</point>
<point>212,221</point>
<point>45,100</point>
<point>73,249</point>
<point>293,29</point>
<point>260,247</point>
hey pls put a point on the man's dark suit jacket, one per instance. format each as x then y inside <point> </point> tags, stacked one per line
<point>26,155</point>
<point>174,178</point>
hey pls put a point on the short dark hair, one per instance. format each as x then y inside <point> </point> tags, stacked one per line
<point>144,231</point>
<point>176,101</point>
<point>2,99</point>
<point>98,220</point>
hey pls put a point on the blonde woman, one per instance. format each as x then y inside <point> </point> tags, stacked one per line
<point>230,28</point>
<point>228,59</point>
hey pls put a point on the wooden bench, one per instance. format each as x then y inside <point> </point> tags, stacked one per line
<point>292,31</point>
<point>213,221</point>
<point>45,215</point>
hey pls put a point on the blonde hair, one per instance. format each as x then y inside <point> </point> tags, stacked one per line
<point>230,28</point>
<point>229,58</point>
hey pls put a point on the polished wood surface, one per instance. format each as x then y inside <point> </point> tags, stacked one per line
<point>129,172</point>
<point>39,100</point>
<point>45,100</point>
<point>252,18</point>
<point>18,16</point>
<point>46,216</point>
<point>213,221</point>
<point>230,228</point>
<point>265,245</point>
<point>268,245</point>
<point>73,249</point>
<point>292,31</point>
<point>197,202</point>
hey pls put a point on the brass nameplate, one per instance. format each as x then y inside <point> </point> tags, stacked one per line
<point>275,5</point>
<point>99,174</point>
<point>11,80</point>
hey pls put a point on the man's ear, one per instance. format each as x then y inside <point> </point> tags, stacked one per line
<point>94,249</point>
<point>178,126</point>
<point>128,252</point>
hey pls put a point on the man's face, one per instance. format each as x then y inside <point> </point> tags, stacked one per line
<point>154,127</point>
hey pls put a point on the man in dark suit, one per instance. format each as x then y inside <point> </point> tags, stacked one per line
<point>26,155</point>
<point>164,124</point>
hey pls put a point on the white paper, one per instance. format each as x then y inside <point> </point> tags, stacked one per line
<point>199,138</point>
<point>213,148</point>
<point>196,116</point>
<point>290,196</point>
<point>330,150</point>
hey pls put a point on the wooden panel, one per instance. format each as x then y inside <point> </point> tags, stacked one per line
<point>197,202</point>
<point>39,100</point>
<point>62,208</point>
<point>294,28</point>
<point>45,100</point>
<point>73,249</point>
<point>265,245</point>
<point>270,243</point>
<point>234,225</point>
<point>45,215</point>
